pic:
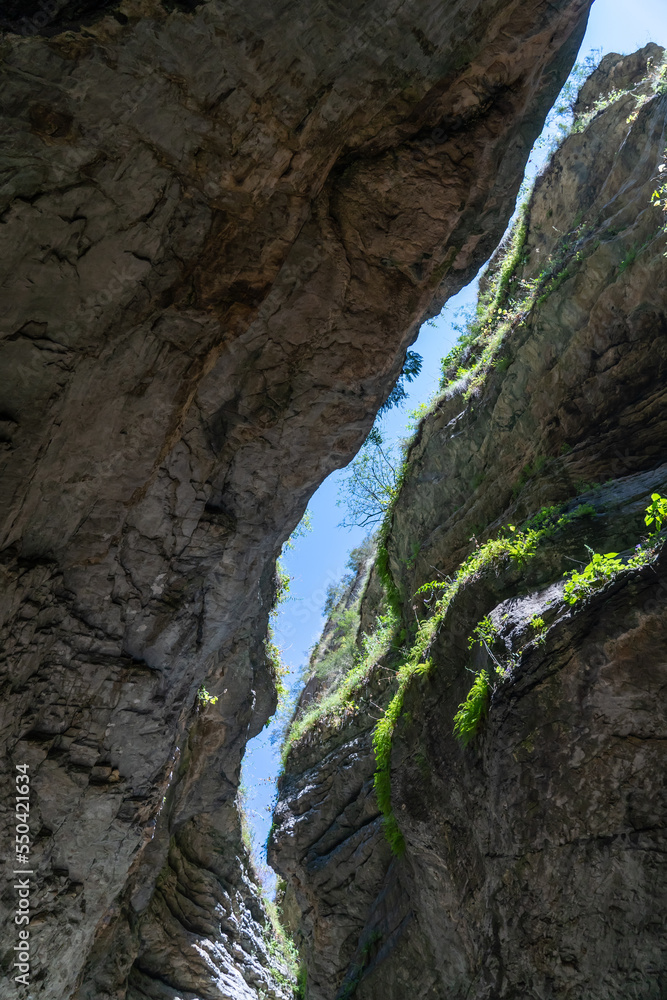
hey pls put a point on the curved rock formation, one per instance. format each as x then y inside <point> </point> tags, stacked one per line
<point>221,227</point>
<point>532,856</point>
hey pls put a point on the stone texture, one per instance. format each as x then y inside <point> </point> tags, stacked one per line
<point>221,225</point>
<point>533,861</point>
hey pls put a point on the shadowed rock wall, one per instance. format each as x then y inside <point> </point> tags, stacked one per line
<point>221,225</point>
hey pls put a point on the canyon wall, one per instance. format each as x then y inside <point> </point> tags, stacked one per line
<point>528,862</point>
<point>221,225</point>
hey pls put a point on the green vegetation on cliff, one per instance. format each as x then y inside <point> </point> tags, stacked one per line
<point>605,566</point>
<point>513,293</point>
<point>552,658</point>
<point>580,584</point>
<point>508,302</point>
<point>415,660</point>
<point>510,545</point>
<point>473,710</point>
<point>482,335</point>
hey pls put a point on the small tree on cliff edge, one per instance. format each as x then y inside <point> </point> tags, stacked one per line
<point>371,483</point>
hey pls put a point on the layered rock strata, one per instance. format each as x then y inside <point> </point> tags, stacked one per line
<point>532,856</point>
<point>221,226</point>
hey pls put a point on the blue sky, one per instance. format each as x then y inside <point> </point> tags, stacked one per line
<point>319,558</point>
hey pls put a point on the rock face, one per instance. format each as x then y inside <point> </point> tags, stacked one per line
<point>532,856</point>
<point>221,226</point>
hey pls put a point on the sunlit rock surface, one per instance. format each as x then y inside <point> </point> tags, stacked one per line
<point>533,856</point>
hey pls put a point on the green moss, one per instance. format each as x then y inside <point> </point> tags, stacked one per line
<point>512,259</point>
<point>340,701</point>
<point>394,836</point>
<point>341,656</point>
<point>600,569</point>
<point>277,668</point>
<point>391,592</point>
<point>508,301</point>
<point>636,249</point>
<point>481,337</point>
<point>603,567</point>
<point>473,710</point>
<point>517,546</point>
<point>484,633</point>
<point>301,983</point>
<point>554,283</point>
<point>286,968</point>
<point>421,760</point>
<point>581,584</point>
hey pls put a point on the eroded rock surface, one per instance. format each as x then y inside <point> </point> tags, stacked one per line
<point>221,225</point>
<point>533,856</point>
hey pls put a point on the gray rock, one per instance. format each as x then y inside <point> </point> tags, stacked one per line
<point>222,224</point>
<point>532,864</point>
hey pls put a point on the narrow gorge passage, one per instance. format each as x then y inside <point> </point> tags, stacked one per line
<point>315,564</point>
<point>299,622</point>
<point>222,226</point>
<point>473,797</point>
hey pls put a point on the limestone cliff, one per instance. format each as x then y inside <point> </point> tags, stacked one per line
<point>221,225</point>
<point>527,863</point>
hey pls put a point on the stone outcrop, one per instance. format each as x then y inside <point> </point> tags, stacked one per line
<point>532,856</point>
<point>222,224</point>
